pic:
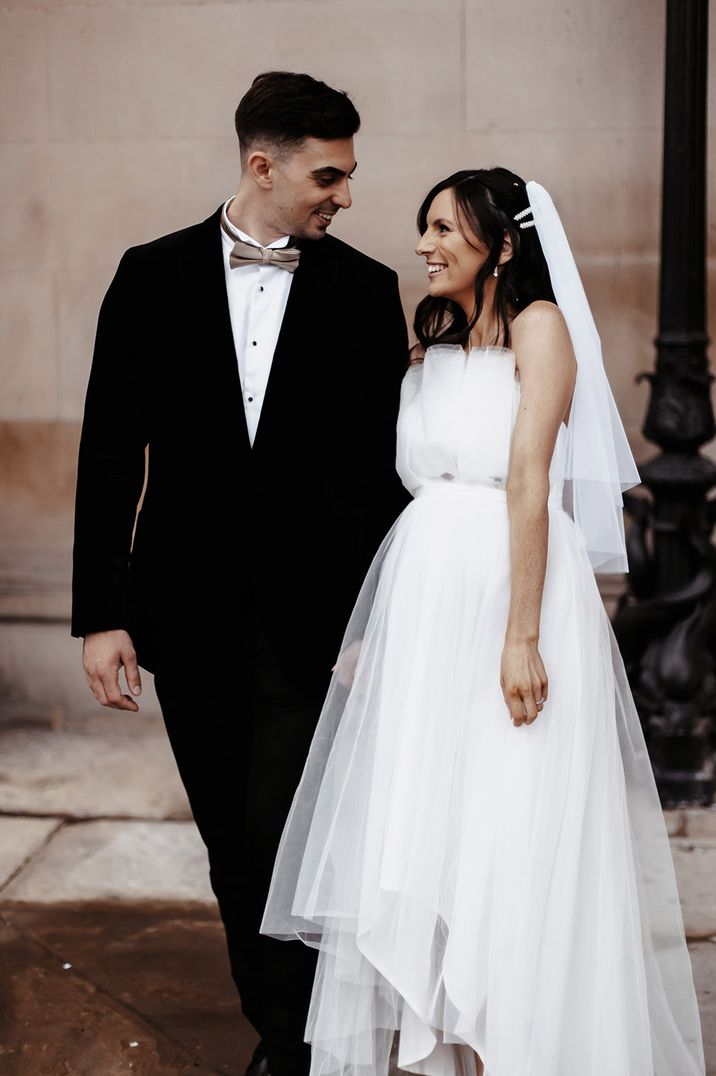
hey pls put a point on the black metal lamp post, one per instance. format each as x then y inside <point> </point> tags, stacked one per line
<point>666,627</point>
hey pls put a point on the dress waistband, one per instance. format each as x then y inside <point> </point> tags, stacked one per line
<point>476,491</point>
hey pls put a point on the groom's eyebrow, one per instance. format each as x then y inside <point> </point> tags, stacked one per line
<point>329,170</point>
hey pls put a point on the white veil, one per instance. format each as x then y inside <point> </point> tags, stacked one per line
<point>599,465</point>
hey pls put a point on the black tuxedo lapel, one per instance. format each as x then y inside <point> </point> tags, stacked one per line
<point>205,268</point>
<point>309,298</point>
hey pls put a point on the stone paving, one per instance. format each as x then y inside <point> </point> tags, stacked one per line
<point>111,947</point>
<point>101,991</point>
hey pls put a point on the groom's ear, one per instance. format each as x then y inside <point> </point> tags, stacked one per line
<point>259,165</point>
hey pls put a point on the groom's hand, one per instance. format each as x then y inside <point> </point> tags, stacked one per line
<point>345,667</point>
<point>103,654</point>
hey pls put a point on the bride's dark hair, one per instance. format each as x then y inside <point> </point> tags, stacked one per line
<point>486,201</point>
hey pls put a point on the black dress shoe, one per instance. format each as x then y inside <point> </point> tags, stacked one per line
<point>259,1062</point>
<point>258,1068</point>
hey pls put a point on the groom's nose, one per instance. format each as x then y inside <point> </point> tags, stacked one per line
<point>342,195</point>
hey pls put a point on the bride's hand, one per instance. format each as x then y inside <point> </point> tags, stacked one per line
<point>523,681</point>
<point>346,664</point>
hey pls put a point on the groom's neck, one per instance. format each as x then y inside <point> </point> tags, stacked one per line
<point>253,215</point>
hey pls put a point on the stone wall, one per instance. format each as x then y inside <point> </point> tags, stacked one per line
<point>116,123</point>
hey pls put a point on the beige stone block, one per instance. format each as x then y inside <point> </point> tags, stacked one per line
<point>378,53</point>
<point>114,194</point>
<point>29,200</point>
<point>23,78</point>
<point>20,839</point>
<point>553,65</point>
<point>107,764</point>
<point>623,302</point>
<point>105,197</point>
<point>608,198</point>
<point>154,72</point>
<point>606,184</point>
<point>176,71</point>
<point>117,861</point>
<point>27,346</point>
<point>37,483</point>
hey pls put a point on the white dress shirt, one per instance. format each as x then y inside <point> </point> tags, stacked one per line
<point>257,296</point>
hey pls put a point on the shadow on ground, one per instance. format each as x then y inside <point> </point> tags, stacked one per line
<point>101,991</point>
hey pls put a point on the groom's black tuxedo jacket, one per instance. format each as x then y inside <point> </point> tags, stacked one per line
<point>229,534</point>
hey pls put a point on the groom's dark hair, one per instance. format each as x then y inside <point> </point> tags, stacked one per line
<point>284,109</point>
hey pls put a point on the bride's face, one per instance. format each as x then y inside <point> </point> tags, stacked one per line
<point>454,255</point>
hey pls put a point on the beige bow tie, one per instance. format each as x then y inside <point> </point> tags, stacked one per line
<point>248,254</point>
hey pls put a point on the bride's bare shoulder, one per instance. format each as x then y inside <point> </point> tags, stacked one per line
<point>542,315</point>
<point>540,329</point>
<point>541,341</point>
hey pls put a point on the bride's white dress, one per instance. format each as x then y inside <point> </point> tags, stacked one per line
<point>472,885</point>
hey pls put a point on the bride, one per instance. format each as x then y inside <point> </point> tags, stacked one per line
<point>476,845</point>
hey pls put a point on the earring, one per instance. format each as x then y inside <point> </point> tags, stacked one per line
<point>494,271</point>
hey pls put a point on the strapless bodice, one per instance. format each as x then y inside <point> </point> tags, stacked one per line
<point>457,414</point>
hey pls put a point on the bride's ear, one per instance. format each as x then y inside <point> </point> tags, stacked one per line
<point>507,250</point>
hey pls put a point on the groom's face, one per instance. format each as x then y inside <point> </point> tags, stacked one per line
<point>310,185</point>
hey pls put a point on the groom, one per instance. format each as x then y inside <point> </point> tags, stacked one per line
<point>250,367</point>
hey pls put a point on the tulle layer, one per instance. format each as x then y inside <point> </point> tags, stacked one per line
<point>472,886</point>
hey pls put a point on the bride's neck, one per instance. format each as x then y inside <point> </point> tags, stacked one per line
<point>486,329</point>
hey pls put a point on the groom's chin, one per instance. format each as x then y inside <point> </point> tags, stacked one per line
<point>312,234</point>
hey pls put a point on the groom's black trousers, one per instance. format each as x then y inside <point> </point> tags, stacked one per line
<point>240,745</point>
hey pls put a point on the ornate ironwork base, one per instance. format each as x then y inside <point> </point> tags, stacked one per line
<point>666,626</point>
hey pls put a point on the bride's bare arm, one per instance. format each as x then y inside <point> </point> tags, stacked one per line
<point>547,369</point>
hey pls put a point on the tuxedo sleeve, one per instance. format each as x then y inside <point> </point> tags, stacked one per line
<point>111,461</point>
<point>390,496</point>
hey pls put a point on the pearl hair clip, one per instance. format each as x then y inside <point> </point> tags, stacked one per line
<point>519,216</point>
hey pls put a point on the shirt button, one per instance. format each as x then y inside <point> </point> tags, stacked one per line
<point>251,399</point>
<point>254,343</point>
<point>261,287</point>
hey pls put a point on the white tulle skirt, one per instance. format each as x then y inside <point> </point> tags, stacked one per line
<point>474,887</point>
